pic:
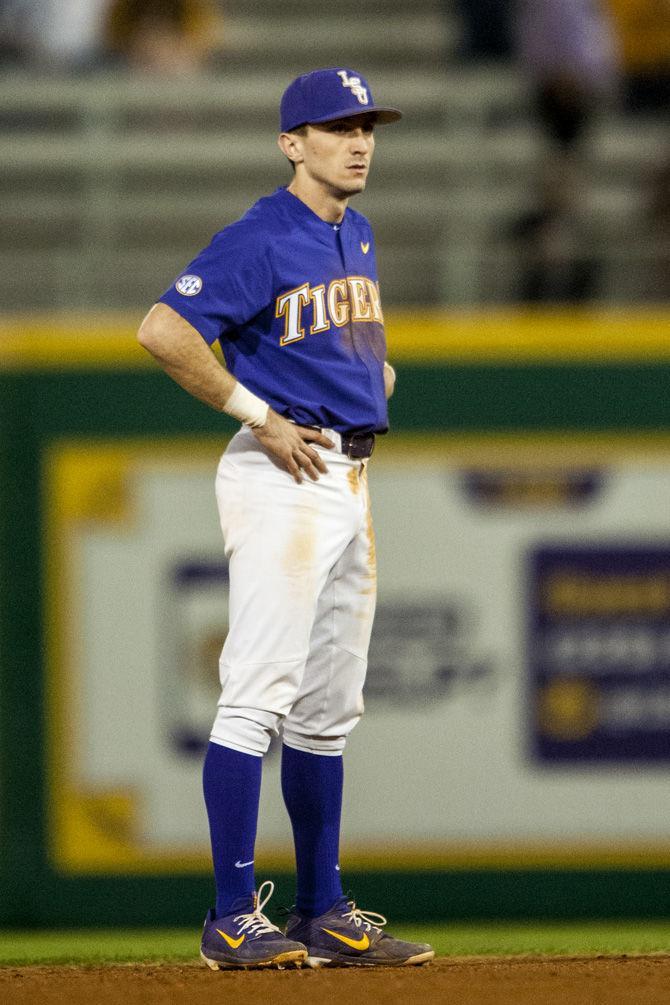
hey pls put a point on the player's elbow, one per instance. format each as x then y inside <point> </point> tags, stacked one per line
<point>389,379</point>
<point>148,334</point>
<point>166,335</point>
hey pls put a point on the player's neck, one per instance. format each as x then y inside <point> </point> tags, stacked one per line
<point>325,204</point>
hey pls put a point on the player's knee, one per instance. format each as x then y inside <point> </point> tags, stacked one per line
<point>328,745</point>
<point>317,729</point>
<point>247,729</point>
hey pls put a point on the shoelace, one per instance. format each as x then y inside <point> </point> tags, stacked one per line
<point>255,922</point>
<point>368,918</point>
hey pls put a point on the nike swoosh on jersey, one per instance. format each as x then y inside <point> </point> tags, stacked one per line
<point>242,865</point>
<point>362,943</point>
<point>365,247</point>
<point>233,943</point>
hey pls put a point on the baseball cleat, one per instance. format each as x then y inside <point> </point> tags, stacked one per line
<point>345,936</point>
<point>245,938</point>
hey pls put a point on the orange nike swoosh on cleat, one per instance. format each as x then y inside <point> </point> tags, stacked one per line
<point>233,943</point>
<point>362,943</point>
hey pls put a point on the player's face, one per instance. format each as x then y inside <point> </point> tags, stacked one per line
<point>337,155</point>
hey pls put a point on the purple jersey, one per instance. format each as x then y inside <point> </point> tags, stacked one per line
<point>295,304</point>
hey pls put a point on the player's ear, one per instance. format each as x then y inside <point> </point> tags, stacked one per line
<point>290,145</point>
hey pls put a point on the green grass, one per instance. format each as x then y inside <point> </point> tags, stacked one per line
<point>503,939</point>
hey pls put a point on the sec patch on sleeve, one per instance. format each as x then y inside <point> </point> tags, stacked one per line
<point>188,286</point>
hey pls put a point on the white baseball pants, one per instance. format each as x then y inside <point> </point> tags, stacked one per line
<point>302,599</point>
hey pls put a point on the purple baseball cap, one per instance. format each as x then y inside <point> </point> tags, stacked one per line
<point>324,95</point>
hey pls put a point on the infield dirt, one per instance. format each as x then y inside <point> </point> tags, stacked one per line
<point>624,980</point>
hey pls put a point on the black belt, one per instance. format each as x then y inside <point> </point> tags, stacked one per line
<point>358,445</point>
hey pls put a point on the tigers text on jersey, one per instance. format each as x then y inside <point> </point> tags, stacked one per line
<point>295,303</point>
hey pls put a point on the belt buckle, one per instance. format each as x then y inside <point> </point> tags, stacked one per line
<point>358,446</point>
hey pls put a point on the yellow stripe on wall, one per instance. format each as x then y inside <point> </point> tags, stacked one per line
<point>515,336</point>
<point>527,336</point>
<point>71,341</point>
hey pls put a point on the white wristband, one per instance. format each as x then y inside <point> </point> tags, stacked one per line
<point>246,407</point>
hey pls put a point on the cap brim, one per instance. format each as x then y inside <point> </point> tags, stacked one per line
<point>384,116</point>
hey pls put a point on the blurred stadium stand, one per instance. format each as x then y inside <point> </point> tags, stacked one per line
<point>111,181</point>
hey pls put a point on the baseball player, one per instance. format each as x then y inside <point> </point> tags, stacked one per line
<point>290,291</point>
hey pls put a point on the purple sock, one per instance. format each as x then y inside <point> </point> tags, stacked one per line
<point>312,789</point>
<point>232,786</point>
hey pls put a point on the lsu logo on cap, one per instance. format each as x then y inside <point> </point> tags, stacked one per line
<point>188,286</point>
<point>354,83</point>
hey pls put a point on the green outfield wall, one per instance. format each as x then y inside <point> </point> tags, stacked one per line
<point>564,376</point>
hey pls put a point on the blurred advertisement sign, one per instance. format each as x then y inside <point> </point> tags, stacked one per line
<point>599,653</point>
<point>517,699</point>
<point>195,629</point>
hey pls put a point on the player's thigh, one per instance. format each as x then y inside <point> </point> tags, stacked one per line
<point>346,605</point>
<point>282,539</point>
<point>329,701</point>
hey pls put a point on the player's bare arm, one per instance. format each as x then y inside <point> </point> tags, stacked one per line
<point>181,351</point>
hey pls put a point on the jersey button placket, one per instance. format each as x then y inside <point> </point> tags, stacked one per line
<point>354,335</point>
